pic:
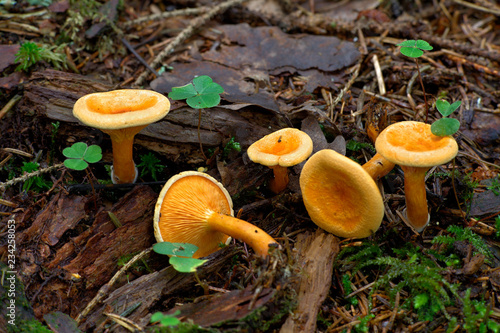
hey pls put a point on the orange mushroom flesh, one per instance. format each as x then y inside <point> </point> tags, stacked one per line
<point>280,150</point>
<point>195,208</point>
<point>122,114</point>
<point>412,146</point>
<point>340,196</point>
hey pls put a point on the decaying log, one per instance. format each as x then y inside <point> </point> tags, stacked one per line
<point>232,306</point>
<point>52,94</point>
<point>316,255</point>
<point>92,256</point>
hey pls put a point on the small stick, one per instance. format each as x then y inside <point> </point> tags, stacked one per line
<point>9,105</point>
<point>380,78</point>
<point>164,15</point>
<point>103,291</point>
<point>29,175</point>
<point>185,34</point>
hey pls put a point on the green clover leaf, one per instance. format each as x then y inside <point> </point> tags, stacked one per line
<point>446,108</point>
<point>79,155</point>
<point>445,126</point>
<point>175,249</point>
<point>414,48</point>
<point>186,265</point>
<point>202,93</point>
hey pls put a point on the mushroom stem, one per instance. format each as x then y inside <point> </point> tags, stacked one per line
<point>378,166</point>
<point>280,180</point>
<point>416,198</point>
<point>122,140</point>
<point>257,238</point>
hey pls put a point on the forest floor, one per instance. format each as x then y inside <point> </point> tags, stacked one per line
<point>76,250</point>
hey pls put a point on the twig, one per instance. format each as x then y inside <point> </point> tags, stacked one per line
<point>138,56</point>
<point>103,291</point>
<point>9,105</point>
<point>185,34</point>
<point>29,175</point>
<point>477,7</point>
<point>164,15</point>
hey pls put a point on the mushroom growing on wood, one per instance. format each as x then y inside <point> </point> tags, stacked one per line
<point>412,146</point>
<point>122,114</point>
<point>340,196</point>
<point>280,150</point>
<point>195,208</point>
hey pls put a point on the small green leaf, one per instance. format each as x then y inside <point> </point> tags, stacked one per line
<point>183,92</point>
<point>205,85</point>
<point>455,105</point>
<point>186,265</point>
<point>93,154</point>
<point>157,316</point>
<point>170,321</point>
<point>408,43</point>
<point>412,52</point>
<point>446,108</point>
<point>202,93</point>
<point>76,164</point>
<point>423,45</point>
<point>166,319</point>
<point>420,300</point>
<point>77,150</point>
<point>203,101</point>
<point>175,249</point>
<point>445,126</point>
<point>414,48</point>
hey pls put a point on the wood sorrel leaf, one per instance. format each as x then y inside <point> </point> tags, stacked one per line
<point>186,265</point>
<point>76,164</point>
<point>77,150</point>
<point>445,126</point>
<point>175,249</point>
<point>93,154</point>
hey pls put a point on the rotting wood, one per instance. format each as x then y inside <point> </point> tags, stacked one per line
<point>148,289</point>
<point>316,256</point>
<point>92,256</point>
<point>52,94</point>
<point>224,307</point>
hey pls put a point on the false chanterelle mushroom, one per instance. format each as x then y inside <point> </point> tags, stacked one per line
<point>340,196</point>
<point>195,208</point>
<point>280,150</point>
<point>122,114</point>
<point>412,146</point>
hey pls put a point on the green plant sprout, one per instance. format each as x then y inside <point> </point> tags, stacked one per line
<point>79,155</point>
<point>165,319</point>
<point>415,49</point>
<point>446,126</point>
<point>230,145</point>
<point>203,93</point>
<point>150,164</point>
<point>30,53</point>
<point>37,182</point>
<point>181,258</point>
<point>495,186</point>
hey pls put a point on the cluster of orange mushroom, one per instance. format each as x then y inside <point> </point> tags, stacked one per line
<point>341,196</point>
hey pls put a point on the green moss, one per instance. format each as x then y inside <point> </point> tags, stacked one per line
<point>29,326</point>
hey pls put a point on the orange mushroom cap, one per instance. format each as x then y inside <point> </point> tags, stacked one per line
<point>412,145</point>
<point>279,150</point>
<point>340,196</point>
<point>195,208</point>
<point>122,114</point>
